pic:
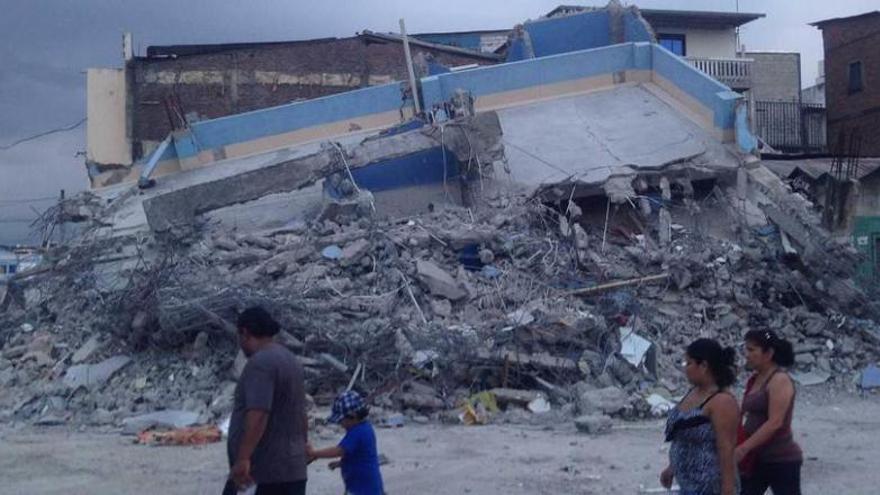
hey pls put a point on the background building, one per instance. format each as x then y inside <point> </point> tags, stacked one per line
<point>852,82</point>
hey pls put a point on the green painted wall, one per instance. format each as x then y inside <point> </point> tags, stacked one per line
<point>866,238</point>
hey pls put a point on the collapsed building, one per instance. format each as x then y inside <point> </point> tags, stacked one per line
<point>552,230</point>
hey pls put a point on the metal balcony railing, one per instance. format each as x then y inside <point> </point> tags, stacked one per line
<point>733,72</point>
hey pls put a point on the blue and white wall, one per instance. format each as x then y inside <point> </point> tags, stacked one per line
<point>363,110</point>
<point>709,102</point>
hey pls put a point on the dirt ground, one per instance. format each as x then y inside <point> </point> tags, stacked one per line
<point>840,435</point>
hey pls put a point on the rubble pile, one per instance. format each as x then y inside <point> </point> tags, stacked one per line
<point>509,311</point>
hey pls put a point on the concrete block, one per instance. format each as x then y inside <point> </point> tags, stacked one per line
<point>439,282</point>
<point>94,375</point>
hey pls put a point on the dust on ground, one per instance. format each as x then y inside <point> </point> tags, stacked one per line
<point>840,434</point>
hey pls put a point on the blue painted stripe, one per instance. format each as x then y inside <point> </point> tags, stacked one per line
<point>417,169</point>
<point>702,87</point>
<point>244,127</point>
<point>530,73</point>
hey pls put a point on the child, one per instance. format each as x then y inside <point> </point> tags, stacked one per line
<point>360,460</point>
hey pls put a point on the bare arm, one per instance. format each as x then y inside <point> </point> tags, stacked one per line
<point>255,421</point>
<point>724,413</point>
<point>328,453</point>
<point>781,393</point>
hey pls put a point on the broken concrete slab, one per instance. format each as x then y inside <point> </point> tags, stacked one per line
<point>609,400</point>
<point>421,402</point>
<point>92,345</point>
<point>439,282</point>
<point>180,207</point>
<point>161,419</point>
<point>810,378</point>
<point>91,375</point>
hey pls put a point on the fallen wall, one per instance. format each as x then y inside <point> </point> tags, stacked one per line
<point>409,163</point>
<point>234,136</point>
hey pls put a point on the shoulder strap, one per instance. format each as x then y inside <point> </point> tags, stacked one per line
<point>767,381</point>
<point>709,398</point>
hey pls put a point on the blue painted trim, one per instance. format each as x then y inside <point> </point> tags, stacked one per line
<point>240,128</point>
<point>417,169</point>
<point>702,87</point>
<point>155,157</point>
<point>529,73</point>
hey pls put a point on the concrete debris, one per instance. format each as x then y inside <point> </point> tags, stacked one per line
<point>160,419</point>
<point>439,282</point>
<point>608,400</point>
<point>659,405</point>
<point>593,424</point>
<point>353,252</point>
<point>94,375</point>
<point>811,378</point>
<point>91,346</point>
<point>505,308</point>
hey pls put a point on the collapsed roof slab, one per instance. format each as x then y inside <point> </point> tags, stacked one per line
<point>179,207</point>
<point>591,138</point>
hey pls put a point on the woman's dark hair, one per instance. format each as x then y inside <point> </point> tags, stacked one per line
<point>783,352</point>
<point>258,322</point>
<point>721,360</point>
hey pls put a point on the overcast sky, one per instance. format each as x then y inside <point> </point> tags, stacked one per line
<point>47,44</point>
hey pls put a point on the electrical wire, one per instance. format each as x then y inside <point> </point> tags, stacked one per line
<point>42,134</point>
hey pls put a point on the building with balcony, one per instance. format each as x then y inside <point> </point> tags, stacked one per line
<point>707,40</point>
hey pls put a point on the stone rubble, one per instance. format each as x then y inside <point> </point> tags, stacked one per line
<point>424,312</point>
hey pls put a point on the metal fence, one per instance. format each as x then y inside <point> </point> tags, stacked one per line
<point>792,127</point>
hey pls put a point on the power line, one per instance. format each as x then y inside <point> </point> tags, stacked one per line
<point>43,134</point>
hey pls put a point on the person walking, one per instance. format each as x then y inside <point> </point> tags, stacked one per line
<point>268,431</point>
<point>767,454</point>
<point>702,427</point>
<point>357,451</point>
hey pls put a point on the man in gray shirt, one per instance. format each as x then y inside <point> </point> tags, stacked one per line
<point>268,430</point>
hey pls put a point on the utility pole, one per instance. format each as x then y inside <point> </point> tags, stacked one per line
<point>409,68</point>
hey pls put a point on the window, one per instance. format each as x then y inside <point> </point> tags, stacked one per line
<point>12,269</point>
<point>675,43</point>
<point>855,77</point>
